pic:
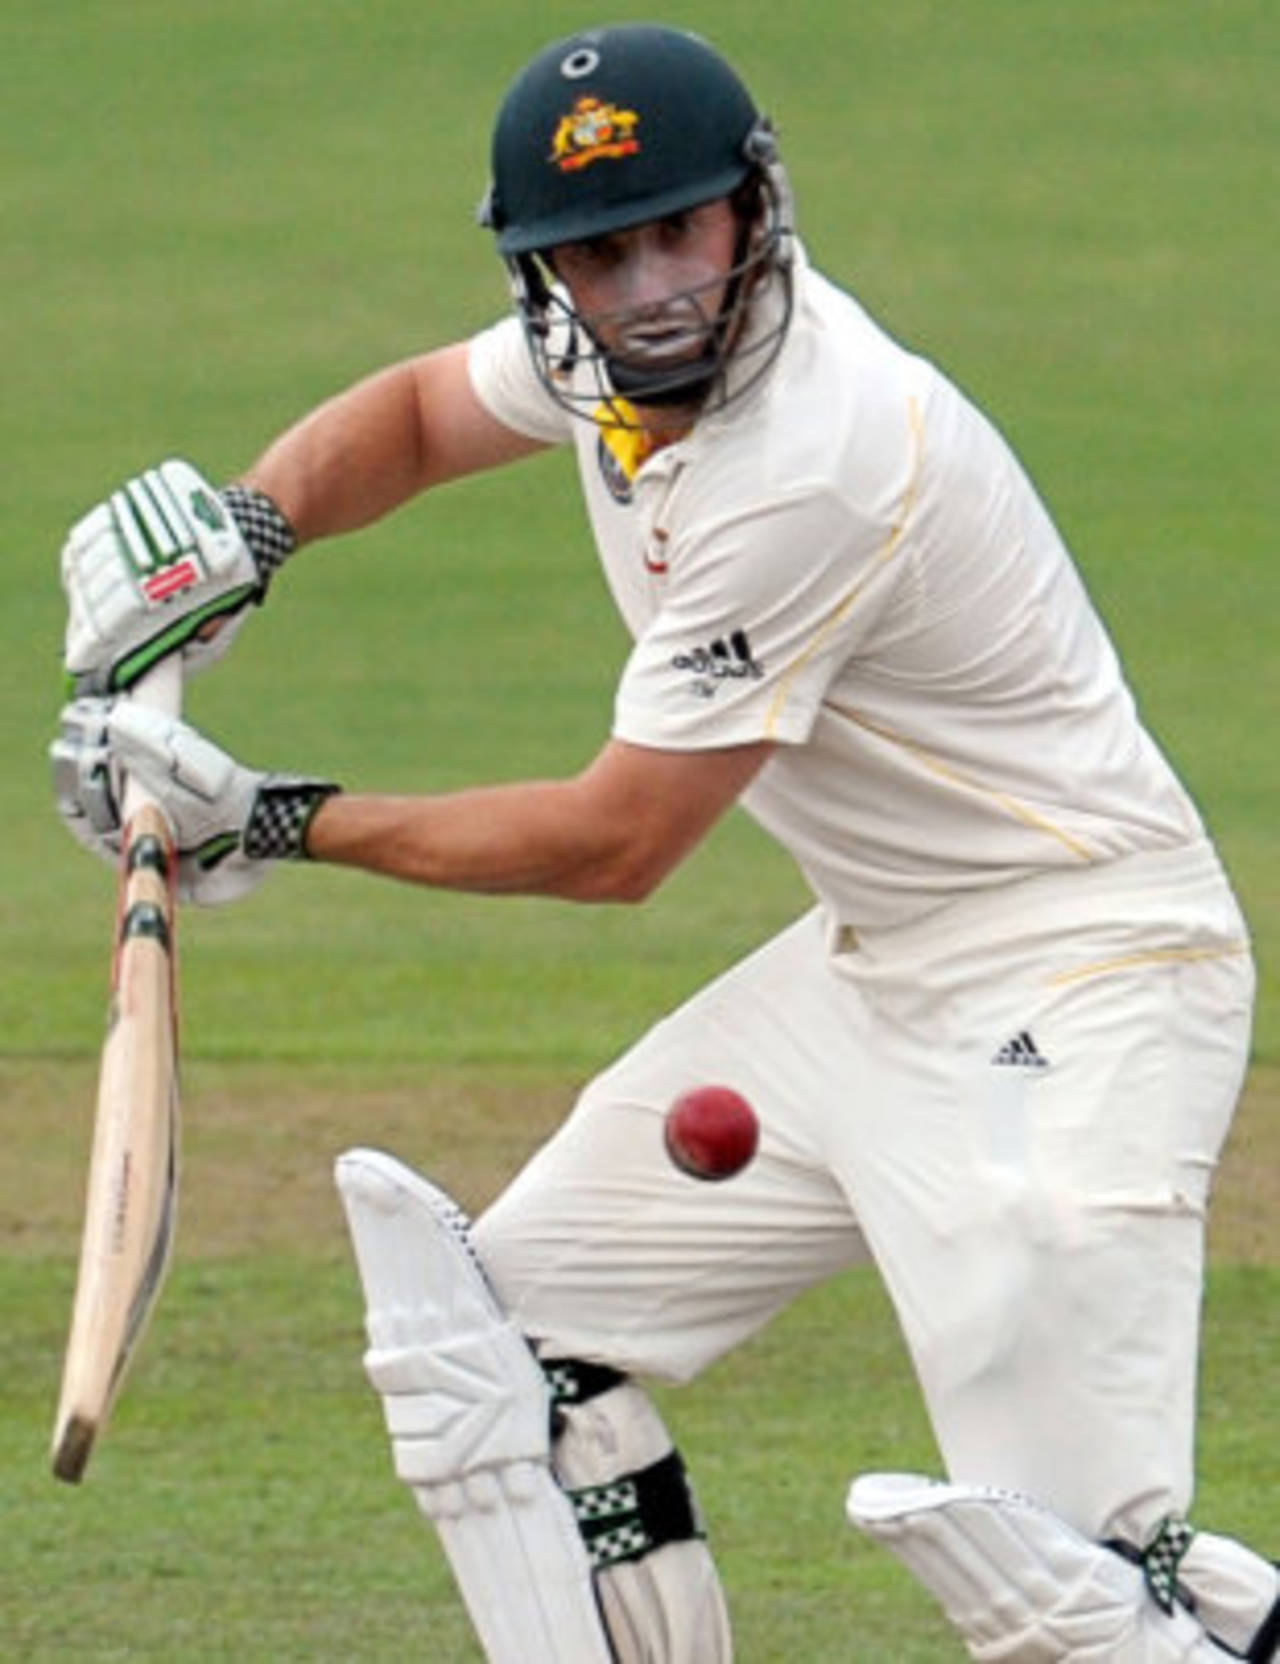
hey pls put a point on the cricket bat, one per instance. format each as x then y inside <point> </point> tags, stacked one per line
<point>131,1196</point>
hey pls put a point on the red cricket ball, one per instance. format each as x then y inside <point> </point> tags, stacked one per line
<point>711,1132</point>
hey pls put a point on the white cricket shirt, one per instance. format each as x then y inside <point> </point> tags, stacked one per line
<point>850,560</point>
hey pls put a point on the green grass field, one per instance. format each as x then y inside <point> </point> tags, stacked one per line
<point>217,213</point>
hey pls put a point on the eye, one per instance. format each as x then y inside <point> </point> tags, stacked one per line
<point>677,228</point>
<point>587,258</point>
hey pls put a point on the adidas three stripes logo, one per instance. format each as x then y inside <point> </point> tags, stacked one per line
<point>1020,1053</point>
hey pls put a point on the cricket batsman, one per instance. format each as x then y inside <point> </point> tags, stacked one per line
<point>1000,1052</point>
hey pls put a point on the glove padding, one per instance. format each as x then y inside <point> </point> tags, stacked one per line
<point>164,564</point>
<point>228,821</point>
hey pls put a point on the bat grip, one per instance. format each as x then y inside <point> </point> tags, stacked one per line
<point>161,688</point>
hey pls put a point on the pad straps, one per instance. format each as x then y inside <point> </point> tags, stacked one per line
<point>630,1516</point>
<point>1160,1561</point>
<point>573,1381</point>
<point>638,1513</point>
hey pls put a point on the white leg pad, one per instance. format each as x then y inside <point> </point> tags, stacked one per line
<point>1018,1583</point>
<point>468,1410</point>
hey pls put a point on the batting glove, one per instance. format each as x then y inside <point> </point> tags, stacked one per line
<point>167,563</point>
<point>228,821</point>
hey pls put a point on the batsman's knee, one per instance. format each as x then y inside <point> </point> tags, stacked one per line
<point>640,1521</point>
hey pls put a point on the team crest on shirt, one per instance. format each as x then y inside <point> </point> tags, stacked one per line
<point>622,446</point>
<point>593,131</point>
<point>612,471</point>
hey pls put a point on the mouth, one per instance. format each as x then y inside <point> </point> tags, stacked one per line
<point>663,354</point>
<point>672,337</point>
<point>660,347</point>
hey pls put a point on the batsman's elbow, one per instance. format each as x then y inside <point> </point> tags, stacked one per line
<point>624,881</point>
<point>647,809</point>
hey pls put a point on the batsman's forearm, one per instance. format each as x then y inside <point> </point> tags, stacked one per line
<point>531,838</point>
<point>611,833</point>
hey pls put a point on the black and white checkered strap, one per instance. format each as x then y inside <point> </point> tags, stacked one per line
<point>574,1381</point>
<point>277,826</point>
<point>263,526</point>
<point>1162,1557</point>
<point>639,1512</point>
<point>1160,1560</point>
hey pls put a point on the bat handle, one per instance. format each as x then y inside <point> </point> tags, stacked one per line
<point>161,687</point>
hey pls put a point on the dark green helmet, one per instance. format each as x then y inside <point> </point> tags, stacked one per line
<point>612,127</point>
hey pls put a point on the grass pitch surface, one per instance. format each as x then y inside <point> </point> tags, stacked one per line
<point>242,1505</point>
<point>215,215</point>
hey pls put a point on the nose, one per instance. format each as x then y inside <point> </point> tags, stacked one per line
<point>648,279</point>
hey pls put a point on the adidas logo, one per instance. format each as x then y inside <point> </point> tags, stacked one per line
<point>1020,1053</point>
<point>722,661</point>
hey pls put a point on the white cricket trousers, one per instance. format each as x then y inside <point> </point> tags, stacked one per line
<point>1016,1103</point>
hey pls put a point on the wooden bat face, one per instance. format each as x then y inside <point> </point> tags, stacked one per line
<point>131,1196</point>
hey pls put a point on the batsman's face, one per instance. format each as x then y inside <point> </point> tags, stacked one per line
<point>651,295</point>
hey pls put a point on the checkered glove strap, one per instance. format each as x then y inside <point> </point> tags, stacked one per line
<point>166,564</point>
<point>270,537</point>
<point>277,826</point>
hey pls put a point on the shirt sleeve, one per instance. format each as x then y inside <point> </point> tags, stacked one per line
<point>764,610</point>
<point>505,382</point>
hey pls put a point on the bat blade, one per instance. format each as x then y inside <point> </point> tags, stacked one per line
<point>131,1194</point>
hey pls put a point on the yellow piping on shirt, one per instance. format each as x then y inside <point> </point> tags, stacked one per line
<point>1154,956</point>
<point>846,606</point>
<point>1012,805</point>
<point>1019,811</point>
